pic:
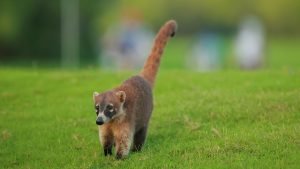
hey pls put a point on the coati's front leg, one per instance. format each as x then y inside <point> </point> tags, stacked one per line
<point>107,144</point>
<point>107,149</point>
<point>106,139</point>
<point>123,141</point>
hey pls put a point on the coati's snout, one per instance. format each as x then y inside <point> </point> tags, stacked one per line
<point>99,121</point>
<point>108,105</point>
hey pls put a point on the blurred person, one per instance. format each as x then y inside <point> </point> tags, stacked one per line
<point>206,52</point>
<point>250,43</point>
<point>125,46</point>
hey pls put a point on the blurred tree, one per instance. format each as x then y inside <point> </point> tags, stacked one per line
<point>280,17</point>
<point>31,30</point>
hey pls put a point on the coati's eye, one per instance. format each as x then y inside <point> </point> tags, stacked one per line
<point>109,107</point>
<point>97,109</point>
<point>109,110</point>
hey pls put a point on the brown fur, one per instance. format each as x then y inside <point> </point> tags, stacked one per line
<point>152,64</point>
<point>123,113</point>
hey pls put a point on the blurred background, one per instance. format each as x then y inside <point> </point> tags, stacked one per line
<point>212,35</point>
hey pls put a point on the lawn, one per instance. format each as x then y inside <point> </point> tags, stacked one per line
<point>225,119</point>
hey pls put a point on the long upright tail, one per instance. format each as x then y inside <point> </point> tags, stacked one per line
<point>152,64</point>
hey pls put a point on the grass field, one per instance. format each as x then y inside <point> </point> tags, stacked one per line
<point>226,119</point>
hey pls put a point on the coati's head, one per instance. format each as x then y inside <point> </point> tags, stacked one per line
<point>108,105</point>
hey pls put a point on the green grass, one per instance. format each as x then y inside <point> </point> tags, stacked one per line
<point>226,119</point>
<point>214,120</point>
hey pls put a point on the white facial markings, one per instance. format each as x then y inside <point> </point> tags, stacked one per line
<point>110,107</point>
<point>104,118</point>
<point>119,114</point>
<point>96,94</point>
<point>97,107</point>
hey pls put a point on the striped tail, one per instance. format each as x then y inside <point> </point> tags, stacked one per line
<point>152,64</point>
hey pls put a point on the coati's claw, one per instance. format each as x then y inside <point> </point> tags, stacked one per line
<point>119,157</point>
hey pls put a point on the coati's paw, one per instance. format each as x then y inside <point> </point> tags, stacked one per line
<point>107,151</point>
<point>119,156</point>
<point>137,148</point>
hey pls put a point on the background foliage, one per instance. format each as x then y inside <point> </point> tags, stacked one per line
<point>30,29</point>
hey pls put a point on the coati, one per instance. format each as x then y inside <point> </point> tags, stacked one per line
<point>123,113</point>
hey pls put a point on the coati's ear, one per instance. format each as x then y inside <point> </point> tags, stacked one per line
<point>95,94</point>
<point>121,95</point>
